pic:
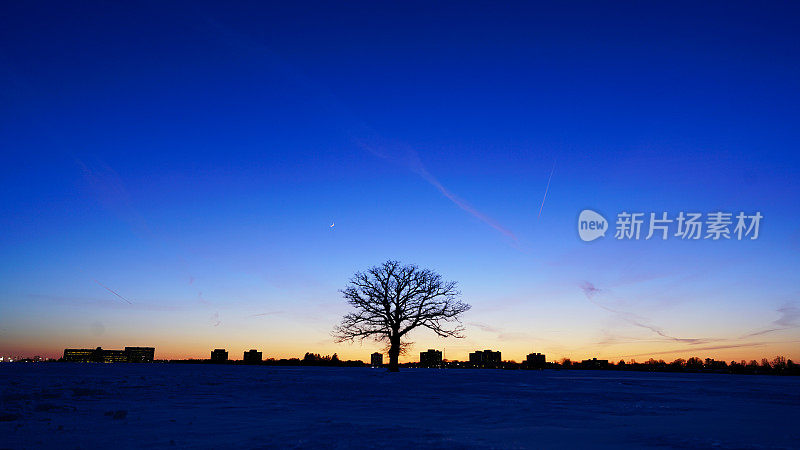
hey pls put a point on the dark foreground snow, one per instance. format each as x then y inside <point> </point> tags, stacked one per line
<point>124,406</point>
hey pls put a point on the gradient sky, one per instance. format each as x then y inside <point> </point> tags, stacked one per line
<point>192,157</point>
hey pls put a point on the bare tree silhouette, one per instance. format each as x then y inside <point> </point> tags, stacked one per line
<point>392,299</point>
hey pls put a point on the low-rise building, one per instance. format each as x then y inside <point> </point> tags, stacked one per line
<point>219,355</point>
<point>486,359</point>
<point>594,363</point>
<point>130,354</point>
<point>376,359</point>
<point>78,354</point>
<point>140,354</point>
<point>534,361</point>
<point>431,358</point>
<point>111,356</point>
<point>252,356</point>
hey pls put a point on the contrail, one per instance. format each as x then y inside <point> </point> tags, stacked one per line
<point>790,318</point>
<point>547,189</point>
<point>404,155</point>
<point>265,314</point>
<point>694,349</point>
<point>590,290</point>
<point>466,206</point>
<point>112,291</point>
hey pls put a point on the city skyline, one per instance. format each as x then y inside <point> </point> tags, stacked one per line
<point>192,179</point>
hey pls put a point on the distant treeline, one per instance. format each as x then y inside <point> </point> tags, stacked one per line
<point>310,359</point>
<point>778,366</point>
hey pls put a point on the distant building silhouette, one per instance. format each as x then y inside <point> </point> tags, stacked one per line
<point>431,358</point>
<point>594,363</point>
<point>534,361</point>
<point>130,354</point>
<point>252,356</point>
<point>376,359</point>
<point>78,354</point>
<point>485,359</point>
<point>140,354</point>
<point>110,356</point>
<point>219,355</point>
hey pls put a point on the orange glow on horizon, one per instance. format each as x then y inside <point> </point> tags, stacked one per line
<point>518,352</point>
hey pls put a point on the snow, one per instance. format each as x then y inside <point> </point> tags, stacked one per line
<point>61,405</point>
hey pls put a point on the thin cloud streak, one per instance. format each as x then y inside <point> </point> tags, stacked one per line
<point>271,313</point>
<point>92,302</point>
<point>110,191</point>
<point>546,189</point>
<point>113,292</point>
<point>692,349</point>
<point>591,291</point>
<point>484,327</point>
<point>501,334</point>
<point>789,318</point>
<point>467,207</point>
<point>409,158</point>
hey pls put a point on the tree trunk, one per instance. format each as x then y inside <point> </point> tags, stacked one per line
<point>394,354</point>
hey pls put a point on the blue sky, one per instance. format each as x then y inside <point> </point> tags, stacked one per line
<point>191,157</point>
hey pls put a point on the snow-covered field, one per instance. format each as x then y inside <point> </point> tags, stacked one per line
<point>129,405</point>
